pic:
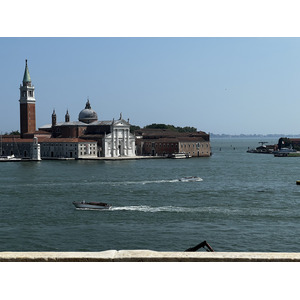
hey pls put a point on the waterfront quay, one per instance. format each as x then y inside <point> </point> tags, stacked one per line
<point>125,158</point>
<point>108,158</point>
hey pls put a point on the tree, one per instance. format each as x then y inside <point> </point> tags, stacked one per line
<point>16,132</point>
<point>171,127</point>
<point>158,126</point>
<point>133,128</point>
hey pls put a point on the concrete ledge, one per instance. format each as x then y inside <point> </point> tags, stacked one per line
<point>148,256</point>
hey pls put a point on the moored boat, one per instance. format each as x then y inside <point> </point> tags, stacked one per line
<point>284,152</point>
<point>180,155</point>
<point>91,205</point>
<point>263,149</point>
<point>9,158</point>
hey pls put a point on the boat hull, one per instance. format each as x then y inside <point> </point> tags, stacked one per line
<point>91,205</point>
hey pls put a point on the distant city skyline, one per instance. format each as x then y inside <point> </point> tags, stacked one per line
<point>218,85</point>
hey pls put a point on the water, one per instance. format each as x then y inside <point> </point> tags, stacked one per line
<point>246,202</point>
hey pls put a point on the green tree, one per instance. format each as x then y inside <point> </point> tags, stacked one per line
<point>16,132</point>
<point>171,127</point>
<point>133,128</point>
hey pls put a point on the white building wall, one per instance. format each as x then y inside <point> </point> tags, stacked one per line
<point>69,150</point>
<point>87,150</point>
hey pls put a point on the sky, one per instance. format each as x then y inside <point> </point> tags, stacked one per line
<point>218,85</point>
<point>200,64</point>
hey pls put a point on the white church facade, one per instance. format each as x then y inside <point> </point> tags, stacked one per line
<point>82,139</point>
<point>119,142</point>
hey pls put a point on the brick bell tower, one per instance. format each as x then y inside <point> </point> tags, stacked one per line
<point>27,106</point>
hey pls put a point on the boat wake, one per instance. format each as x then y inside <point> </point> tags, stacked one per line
<point>143,182</point>
<point>116,183</point>
<point>180,209</point>
<point>142,208</point>
<point>183,179</point>
<point>145,208</point>
<point>175,209</point>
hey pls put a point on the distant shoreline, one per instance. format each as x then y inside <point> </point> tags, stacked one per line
<point>212,135</point>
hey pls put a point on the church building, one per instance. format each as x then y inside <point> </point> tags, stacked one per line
<point>86,138</point>
<point>113,137</point>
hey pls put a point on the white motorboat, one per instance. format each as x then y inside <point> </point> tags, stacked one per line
<point>283,152</point>
<point>9,158</point>
<point>190,178</point>
<point>180,155</point>
<point>91,205</point>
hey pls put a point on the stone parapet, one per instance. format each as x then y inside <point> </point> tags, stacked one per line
<point>148,256</point>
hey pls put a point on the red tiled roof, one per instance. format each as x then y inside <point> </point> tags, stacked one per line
<point>12,139</point>
<point>63,140</point>
<point>173,140</point>
<point>191,139</point>
<point>148,133</point>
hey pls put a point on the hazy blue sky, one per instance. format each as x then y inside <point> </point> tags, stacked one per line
<point>218,85</point>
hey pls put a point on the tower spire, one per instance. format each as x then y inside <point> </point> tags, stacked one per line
<point>67,116</point>
<point>27,105</point>
<point>26,77</point>
<point>53,118</point>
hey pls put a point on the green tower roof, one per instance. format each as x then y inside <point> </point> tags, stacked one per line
<point>26,77</point>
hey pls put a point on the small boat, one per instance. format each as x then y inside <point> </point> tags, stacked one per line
<point>9,158</point>
<point>284,152</point>
<point>91,205</point>
<point>180,155</point>
<point>263,149</point>
<point>190,179</point>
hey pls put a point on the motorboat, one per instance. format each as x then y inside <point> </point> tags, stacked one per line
<point>9,158</point>
<point>180,155</point>
<point>263,149</point>
<point>91,205</point>
<point>190,179</point>
<point>284,152</point>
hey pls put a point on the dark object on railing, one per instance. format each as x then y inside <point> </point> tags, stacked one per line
<point>203,244</point>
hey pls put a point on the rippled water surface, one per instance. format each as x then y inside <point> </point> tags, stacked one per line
<point>246,202</point>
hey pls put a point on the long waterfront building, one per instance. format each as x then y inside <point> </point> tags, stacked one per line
<point>162,142</point>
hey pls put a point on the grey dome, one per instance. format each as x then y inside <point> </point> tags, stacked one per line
<point>87,115</point>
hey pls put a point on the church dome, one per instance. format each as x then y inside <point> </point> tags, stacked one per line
<point>87,115</point>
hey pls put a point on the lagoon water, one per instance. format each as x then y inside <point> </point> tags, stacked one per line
<point>246,202</point>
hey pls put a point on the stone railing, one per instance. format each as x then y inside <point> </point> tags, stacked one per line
<point>148,256</point>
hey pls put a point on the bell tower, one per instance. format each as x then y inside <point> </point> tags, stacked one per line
<point>27,105</point>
